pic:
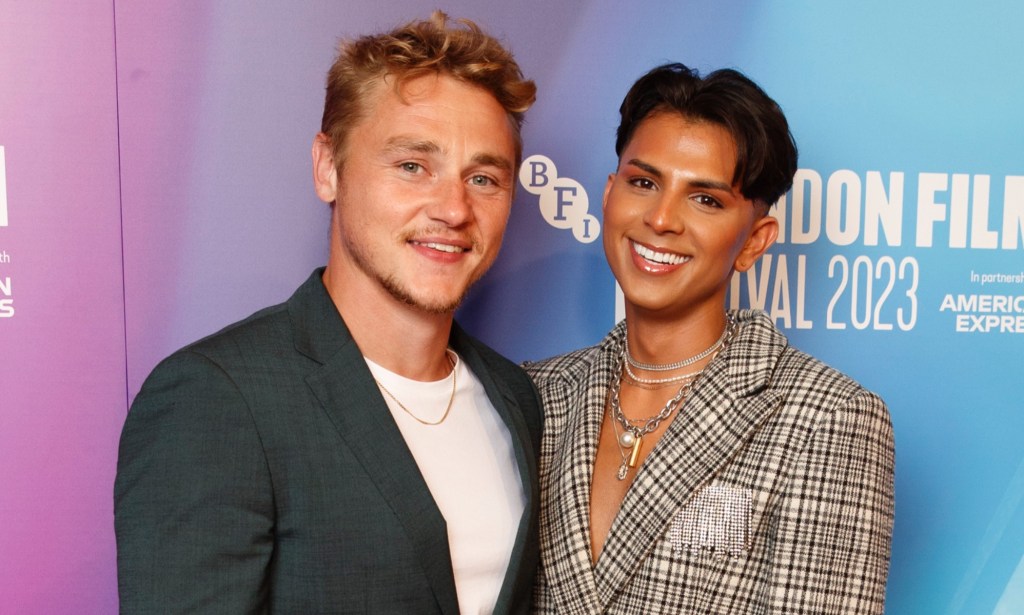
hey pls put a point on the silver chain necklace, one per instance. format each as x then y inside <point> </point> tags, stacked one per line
<point>632,432</point>
<point>632,435</point>
<point>681,377</point>
<point>667,367</point>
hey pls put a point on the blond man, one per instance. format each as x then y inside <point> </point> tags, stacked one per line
<point>352,449</point>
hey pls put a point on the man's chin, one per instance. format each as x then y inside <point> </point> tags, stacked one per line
<point>438,308</point>
<point>442,306</point>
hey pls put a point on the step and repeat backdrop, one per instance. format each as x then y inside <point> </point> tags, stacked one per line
<point>155,186</point>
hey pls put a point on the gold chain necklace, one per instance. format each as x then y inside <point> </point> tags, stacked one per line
<point>451,400</point>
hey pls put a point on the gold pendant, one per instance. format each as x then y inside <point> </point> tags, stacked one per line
<point>635,453</point>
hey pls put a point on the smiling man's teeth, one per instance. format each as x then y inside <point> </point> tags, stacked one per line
<point>659,257</point>
<point>443,247</point>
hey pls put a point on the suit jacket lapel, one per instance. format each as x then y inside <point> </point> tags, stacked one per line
<point>722,413</point>
<point>505,403</point>
<point>345,388</point>
<point>507,406</point>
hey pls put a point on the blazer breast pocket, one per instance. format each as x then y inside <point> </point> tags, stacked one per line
<point>716,522</point>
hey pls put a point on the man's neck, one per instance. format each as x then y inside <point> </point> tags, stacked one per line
<point>399,337</point>
<point>657,339</point>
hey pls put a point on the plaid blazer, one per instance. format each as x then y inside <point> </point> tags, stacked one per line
<point>772,492</point>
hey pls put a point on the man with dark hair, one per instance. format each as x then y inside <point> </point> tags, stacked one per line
<point>352,449</point>
<point>693,461</point>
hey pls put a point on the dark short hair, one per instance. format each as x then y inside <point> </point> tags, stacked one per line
<point>430,46</point>
<point>766,155</point>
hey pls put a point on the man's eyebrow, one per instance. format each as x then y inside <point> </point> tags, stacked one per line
<point>645,167</point>
<point>708,184</point>
<point>711,184</point>
<point>493,160</point>
<point>408,144</point>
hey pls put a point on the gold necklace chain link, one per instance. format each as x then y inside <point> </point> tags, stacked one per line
<point>451,399</point>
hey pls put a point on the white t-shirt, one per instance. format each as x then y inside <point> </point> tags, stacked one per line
<point>470,467</point>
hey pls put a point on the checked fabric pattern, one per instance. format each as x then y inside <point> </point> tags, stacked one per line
<point>813,449</point>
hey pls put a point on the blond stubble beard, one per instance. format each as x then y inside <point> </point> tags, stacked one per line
<point>395,288</point>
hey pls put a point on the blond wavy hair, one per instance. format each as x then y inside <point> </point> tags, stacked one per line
<point>430,46</point>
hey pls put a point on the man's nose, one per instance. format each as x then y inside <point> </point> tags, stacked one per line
<point>666,216</point>
<point>452,203</point>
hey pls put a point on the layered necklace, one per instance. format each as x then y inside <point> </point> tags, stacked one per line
<point>629,433</point>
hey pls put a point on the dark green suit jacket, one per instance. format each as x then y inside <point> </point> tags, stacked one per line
<point>260,470</point>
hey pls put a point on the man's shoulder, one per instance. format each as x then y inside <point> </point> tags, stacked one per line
<point>268,332</point>
<point>260,347</point>
<point>574,366</point>
<point>565,369</point>
<point>230,352</point>
<point>266,327</point>
<point>798,374</point>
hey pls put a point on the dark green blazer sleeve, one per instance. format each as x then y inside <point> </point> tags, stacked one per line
<point>192,496</point>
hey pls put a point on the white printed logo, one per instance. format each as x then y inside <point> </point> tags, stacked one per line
<point>3,188</point>
<point>563,201</point>
<point>6,298</point>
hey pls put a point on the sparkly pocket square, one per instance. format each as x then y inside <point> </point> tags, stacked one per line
<point>716,522</point>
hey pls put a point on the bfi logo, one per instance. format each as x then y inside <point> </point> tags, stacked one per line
<point>3,188</point>
<point>563,201</point>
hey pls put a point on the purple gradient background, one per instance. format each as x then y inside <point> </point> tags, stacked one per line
<point>62,389</point>
<point>159,189</point>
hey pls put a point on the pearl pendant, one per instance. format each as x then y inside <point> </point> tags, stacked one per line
<point>627,439</point>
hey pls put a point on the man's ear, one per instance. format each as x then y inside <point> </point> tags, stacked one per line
<point>607,189</point>
<point>762,236</point>
<point>325,172</point>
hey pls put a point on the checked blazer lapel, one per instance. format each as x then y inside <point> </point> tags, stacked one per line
<point>565,518</point>
<point>721,415</point>
<point>346,389</point>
